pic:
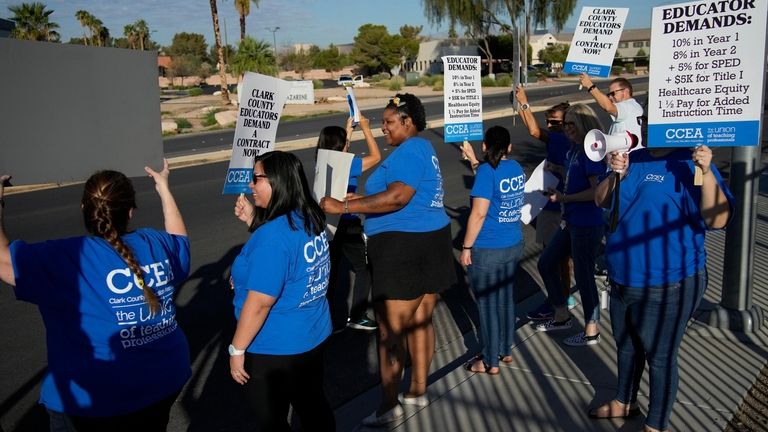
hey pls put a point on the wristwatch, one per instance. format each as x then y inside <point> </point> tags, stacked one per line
<point>524,107</point>
<point>234,351</point>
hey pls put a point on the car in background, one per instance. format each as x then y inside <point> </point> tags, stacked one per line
<point>350,81</point>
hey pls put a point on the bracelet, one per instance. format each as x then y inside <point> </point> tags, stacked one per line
<point>466,247</point>
<point>346,205</point>
<point>592,87</point>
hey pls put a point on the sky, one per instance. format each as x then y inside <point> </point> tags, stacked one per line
<point>318,22</point>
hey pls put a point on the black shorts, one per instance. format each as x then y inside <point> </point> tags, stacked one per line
<point>407,265</point>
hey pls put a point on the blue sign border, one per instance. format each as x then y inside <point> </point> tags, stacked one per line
<point>712,134</point>
<point>237,181</point>
<point>463,132</point>
<point>591,69</point>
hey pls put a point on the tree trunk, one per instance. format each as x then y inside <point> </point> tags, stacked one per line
<point>141,41</point>
<point>220,52</point>
<point>490,56</point>
<point>242,27</point>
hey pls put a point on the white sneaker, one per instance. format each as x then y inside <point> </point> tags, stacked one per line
<point>419,401</point>
<point>390,416</point>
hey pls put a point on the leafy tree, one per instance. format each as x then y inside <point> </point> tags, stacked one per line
<point>330,59</point>
<point>555,53</point>
<point>189,44</point>
<point>213,55</point>
<point>299,61</point>
<point>375,49</point>
<point>410,39</point>
<point>183,66</point>
<point>640,53</point>
<point>33,22</point>
<point>219,52</point>
<point>243,9</point>
<point>253,56</point>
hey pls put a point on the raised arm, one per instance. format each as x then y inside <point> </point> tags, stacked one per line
<point>374,155</point>
<point>601,99</point>
<point>6,267</point>
<point>174,223</point>
<point>527,115</point>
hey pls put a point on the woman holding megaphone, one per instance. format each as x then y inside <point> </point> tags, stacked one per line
<point>580,232</point>
<point>657,266</point>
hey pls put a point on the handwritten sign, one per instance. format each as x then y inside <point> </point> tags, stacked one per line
<point>707,71</point>
<point>595,41</point>
<point>463,100</point>
<point>262,102</point>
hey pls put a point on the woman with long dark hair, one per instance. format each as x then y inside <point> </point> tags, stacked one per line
<point>280,280</point>
<point>117,359</point>
<point>492,247</point>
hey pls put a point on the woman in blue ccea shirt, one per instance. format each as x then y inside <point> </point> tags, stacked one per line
<point>492,247</point>
<point>117,359</point>
<point>410,251</point>
<point>657,267</point>
<point>580,233</point>
<point>348,240</point>
<point>280,280</point>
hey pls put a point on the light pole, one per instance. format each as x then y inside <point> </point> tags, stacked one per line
<point>274,40</point>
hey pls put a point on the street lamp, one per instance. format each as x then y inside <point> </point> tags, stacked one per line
<point>274,41</point>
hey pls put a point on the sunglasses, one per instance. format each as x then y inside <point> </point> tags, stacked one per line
<point>256,177</point>
<point>554,122</point>
<point>610,94</point>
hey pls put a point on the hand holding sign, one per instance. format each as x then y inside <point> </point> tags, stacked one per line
<point>702,158</point>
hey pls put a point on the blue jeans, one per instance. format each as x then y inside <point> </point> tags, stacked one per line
<point>492,275</point>
<point>648,325</point>
<point>582,244</point>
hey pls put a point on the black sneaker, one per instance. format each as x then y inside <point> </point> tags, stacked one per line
<point>363,323</point>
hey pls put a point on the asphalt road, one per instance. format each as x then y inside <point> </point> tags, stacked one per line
<point>211,401</point>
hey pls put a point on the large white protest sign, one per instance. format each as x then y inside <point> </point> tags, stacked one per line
<point>463,99</point>
<point>332,174</point>
<point>535,199</point>
<point>261,104</point>
<point>707,70</point>
<point>301,93</point>
<point>595,41</point>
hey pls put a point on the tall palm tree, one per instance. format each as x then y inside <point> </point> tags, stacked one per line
<point>142,33</point>
<point>129,31</point>
<point>253,56</point>
<point>243,9</point>
<point>97,28</point>
<point>33,22</point>
<point>84,18</point>
<point>220,52</point>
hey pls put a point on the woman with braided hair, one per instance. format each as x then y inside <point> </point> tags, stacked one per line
<point>117,359</point>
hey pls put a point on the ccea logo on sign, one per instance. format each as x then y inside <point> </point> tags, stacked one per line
<point>684,133</point>
<point>579,68</point>
<point>458,129</point>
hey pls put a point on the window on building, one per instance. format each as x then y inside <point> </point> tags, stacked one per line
<point>637,44</point>
<point>622,44</point>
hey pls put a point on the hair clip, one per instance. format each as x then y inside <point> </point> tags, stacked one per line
<point>396,102</point>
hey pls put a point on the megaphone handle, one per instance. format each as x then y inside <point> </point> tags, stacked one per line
<point>698,176</point>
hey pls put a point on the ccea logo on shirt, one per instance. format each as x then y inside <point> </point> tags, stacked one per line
<point>121,280</point>
<point>316,247</point>
<point>654,178</point>
<point>512,184</point>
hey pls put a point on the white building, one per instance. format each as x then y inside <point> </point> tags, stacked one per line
<point>429,61</point>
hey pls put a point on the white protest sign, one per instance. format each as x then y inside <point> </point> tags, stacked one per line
<point>301,93</point>
<point>535,200</point>
<point>707,72</point>
<point>262,102</point>
<point>332,174</point>
<point>354,110</point>
<point>595,41</point>
<point>463,99</point>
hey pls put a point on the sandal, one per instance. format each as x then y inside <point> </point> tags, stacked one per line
<point>468,366</point>
<point>505,359</point>
<point>607,411</point>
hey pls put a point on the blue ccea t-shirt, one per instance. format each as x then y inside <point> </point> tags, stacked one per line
<point>293,267</point>
<point>107,355</point>
<point>414,163</point>
<point>558,145</point>
<point>578,170</point>
<point>504,187</point>
<point>660,235</point>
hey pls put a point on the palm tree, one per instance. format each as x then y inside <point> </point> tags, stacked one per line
<point>141,29</point>
<point>85,18</point>
<point>243,9</point>
<point>97,28</point>
<point>220,52</point>
<point>33,22</point>
<point>129,31</point>
<point>253,56</point>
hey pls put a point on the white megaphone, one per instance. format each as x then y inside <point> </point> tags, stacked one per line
<point>598,144</point>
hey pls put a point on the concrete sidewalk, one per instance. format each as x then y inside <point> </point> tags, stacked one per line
<point>550,386</point>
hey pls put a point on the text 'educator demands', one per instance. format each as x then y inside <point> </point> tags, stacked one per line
<point>463,99</point>
<point>259,114</point>
<point>707,71</point>
<point>595,41</point>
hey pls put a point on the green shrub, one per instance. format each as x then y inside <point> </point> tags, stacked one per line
<point>317,84</point>
<point>617,70</point>
<point>503,80</point>
<point>195,91</point>
<point>182,123</point>
<point>487,81</point>
<point>396,83</point>
<point>438,84</point>
<point>179,87</point>
<point>210,118</point>
<point>375,78</point>
<point>385,75</point>
<point>630,68</point>
<point>413,82</point>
